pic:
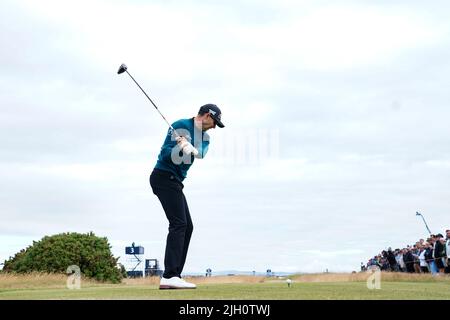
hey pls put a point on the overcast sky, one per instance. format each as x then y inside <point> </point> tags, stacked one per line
<point>336,113</point>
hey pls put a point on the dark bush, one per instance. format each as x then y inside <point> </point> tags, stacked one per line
<point>53,254</point>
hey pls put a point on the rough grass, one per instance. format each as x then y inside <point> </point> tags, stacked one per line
<point>362,276</point>
<point>304,286</point>
<point>38,280</point>
<point>199,280</point>
<point>52,280</point>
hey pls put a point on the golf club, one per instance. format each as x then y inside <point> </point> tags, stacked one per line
<point>123,68</point>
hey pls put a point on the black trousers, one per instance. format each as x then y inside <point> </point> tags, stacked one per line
<point>169,191</point>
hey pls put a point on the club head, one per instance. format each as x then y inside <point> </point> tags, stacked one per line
<point>122,69</point>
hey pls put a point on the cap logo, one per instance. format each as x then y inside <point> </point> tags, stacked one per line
<point>213,112</point>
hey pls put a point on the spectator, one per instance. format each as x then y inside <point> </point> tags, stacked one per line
<point>429,256</point>
<point>409,261</point>
<point>373,262</point>
<point>439,252</point>
<point>425,256</point>
<point>384,261</point>
<point>402,260</point>
<point>363,267</point>
<point>398,259</point>
<point>422,259</point>
<point>392,261</point>
<point>447,250</point>
<point>415,253</point>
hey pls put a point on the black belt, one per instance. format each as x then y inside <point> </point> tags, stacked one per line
<point>167,174</point>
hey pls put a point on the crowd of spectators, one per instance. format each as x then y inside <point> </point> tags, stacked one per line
<point>425,256</point>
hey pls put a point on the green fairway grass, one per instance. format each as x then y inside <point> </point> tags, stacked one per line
<point>246,291</point>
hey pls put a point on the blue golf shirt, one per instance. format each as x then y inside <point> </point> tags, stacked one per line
<point>171,158</point>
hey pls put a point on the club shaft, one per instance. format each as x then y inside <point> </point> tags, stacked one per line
<point>425,224</point>
<point>170,126</point>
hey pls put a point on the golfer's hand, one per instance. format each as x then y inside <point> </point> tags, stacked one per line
<point>186,146</point>
<point>180,140</point>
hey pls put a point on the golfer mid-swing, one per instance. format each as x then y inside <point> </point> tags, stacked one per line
<point>176,157</point>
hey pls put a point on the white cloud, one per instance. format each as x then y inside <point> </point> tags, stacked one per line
<point>354,96</point>
<point>439,163</point>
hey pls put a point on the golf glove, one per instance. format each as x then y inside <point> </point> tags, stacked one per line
<point>186,146</point>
